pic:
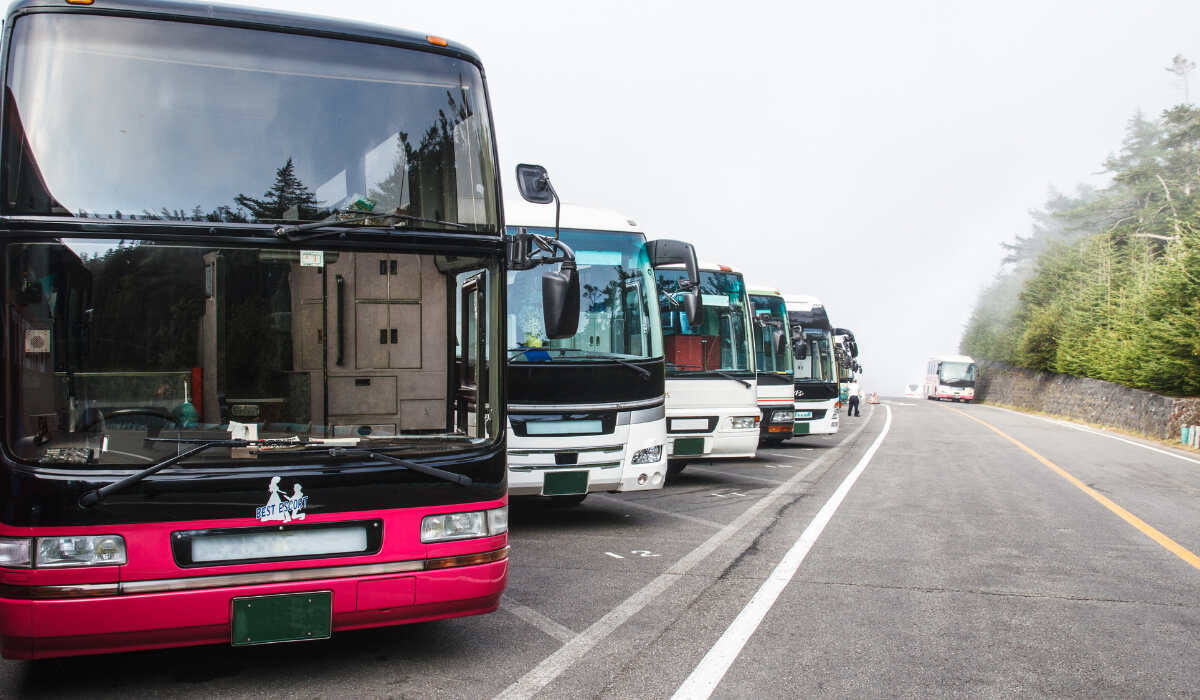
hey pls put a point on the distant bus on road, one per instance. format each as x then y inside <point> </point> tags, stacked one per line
<point>950,377</point>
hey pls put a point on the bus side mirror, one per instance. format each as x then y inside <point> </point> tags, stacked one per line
<point>664,251</point>
<point>534,184</point>
<point>800,349</point>
<point>560,301</point>
<point>691,306</point>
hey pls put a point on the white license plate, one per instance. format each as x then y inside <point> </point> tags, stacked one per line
<point>689,424</point>
<point>804,414</point>
<point>563,427</point>
<point>287,543</point>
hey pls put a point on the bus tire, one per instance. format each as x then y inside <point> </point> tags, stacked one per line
<point>572,500</point>
<point>675,466</point>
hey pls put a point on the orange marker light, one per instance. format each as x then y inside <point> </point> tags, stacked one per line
<point>435,40</point>
<point>79,2</point>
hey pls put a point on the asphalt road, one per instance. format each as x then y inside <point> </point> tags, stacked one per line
<point>938,559</point>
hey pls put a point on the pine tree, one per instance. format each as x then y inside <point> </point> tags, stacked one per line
<point>288,198</point>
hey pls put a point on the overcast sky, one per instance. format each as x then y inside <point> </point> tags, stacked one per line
<point>874,154</point>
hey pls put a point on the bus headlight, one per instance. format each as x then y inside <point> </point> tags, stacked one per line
<point>15,551</point>
<point>783,416</point>
<point>649,455</point>
<point>85,550</point>
<point>462,526</point>
<point>743,422</point>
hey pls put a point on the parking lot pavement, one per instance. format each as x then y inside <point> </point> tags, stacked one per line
<point>591,587</point>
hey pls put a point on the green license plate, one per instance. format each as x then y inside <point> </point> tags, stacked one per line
<point>688,446</point>
<point>289,617</point>
<point>564,483</point>
<point>800,429</point>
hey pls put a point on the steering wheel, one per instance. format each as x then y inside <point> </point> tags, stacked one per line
<point>163,415</point>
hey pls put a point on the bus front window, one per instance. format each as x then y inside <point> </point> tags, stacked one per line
<point>720,341</point>
<point>200,123</point>
<point>616,318</point>
<point>127,350</point>
<point>815,361</point>
<point>956,373</point>
<point>769,320</point>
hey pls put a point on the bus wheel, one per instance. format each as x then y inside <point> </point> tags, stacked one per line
<point>572,500</point>
<point>674,466</point>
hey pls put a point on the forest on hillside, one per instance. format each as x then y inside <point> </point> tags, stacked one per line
<point>1107,283</point>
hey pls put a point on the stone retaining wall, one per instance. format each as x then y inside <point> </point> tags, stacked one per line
<point>1090,400</point>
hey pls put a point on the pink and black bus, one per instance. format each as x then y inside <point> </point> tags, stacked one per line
<point>253,305</point>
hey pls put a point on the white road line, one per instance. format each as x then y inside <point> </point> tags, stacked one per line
<point>1085,429</point>
<point>571,652</point>
<point>785,456</point>
<point>538,620</point>
<point>660,511</point>
<point>711,669</point>
<point>733,475</point>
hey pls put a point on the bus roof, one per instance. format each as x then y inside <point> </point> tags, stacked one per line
<point>518,212</point>
<point>705,266</point>
<point>952,358</point>
<point>763,291</point>
<point>808,310</point>
<point>251,18</point>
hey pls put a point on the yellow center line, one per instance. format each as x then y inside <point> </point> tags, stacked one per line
<point>1166,542</point>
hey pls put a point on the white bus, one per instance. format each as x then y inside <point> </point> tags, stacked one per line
<point>712,400</point>
<point>950,377</point>
<point>816,376</point>
<point>586,412</point>
<point>773,360</point>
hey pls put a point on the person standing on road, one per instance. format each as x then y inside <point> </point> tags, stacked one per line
<point>852,401</point>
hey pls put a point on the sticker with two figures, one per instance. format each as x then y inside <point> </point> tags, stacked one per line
<point>282,507</point>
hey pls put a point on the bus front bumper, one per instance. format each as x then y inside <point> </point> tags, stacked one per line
<point>52,621</point>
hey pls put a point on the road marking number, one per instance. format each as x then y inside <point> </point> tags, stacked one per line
<point>634,552</point>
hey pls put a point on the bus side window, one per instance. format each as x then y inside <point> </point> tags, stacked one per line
<point>471,361</point>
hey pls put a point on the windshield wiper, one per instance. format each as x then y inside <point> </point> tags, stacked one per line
<point>352,217</point>
<point>460,479</point>
<point>521,351</point>
<point>730,376</point>
<point>91,498</point>
<point>723,374</point>
<point>642,370</point>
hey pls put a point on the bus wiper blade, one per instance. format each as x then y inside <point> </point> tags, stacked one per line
<point>642,370</point>
<point>717,371</point>
<point>599,356</point>
<point>522,351</point>
<point>423,220</point>
<point>730,376</point>
<point>460,479</point>
<point>91,498</point>
<point>352,217</point>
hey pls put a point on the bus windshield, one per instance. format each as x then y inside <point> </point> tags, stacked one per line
<point>814,361</point>
<point>129,351</point>
<point>720,342</point>
<point>123,118</point>
<point>956,373</point>
<point>770,318</point>
<point>616,317</point>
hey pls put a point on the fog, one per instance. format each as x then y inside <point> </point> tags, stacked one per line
<point>871,154</point>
